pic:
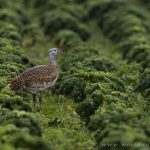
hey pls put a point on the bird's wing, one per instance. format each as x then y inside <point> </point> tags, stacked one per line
<point>36,69</point>
<point>39,75</point>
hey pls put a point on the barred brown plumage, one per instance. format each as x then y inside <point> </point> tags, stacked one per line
<point>38,79</point>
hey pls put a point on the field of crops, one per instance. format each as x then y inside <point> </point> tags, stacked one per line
<point>101,98</point>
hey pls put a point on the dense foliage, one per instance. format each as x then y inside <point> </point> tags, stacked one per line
<point>106,92</point>
<point>18,128</point>
<point>110,86</point>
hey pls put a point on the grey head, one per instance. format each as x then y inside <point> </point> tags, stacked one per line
<point>52,53</point>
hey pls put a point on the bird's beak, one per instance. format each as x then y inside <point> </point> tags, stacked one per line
<point>60,50</point>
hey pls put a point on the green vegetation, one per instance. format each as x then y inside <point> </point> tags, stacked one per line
<point>18,128</point>
<point>131,33</point>
<point>53,22</point>
<point>101,99</point>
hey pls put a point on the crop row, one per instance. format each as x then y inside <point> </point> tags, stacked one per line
<point>127,26</point>
<point>71,17</point>
<point>103,97</point>
<point>144,84</point>
<point>18,129</point>
<point>98,85</point>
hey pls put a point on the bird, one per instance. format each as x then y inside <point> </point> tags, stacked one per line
<point>39,79</point>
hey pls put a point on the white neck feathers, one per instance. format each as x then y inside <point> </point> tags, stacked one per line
<point>53,60</point>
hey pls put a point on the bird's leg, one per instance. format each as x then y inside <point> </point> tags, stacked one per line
<point>34,102</point>
<point>40,101</point>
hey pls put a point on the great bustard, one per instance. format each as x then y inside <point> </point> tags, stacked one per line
<point>38,79</point>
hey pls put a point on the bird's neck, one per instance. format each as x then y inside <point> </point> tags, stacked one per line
<point>53,60</point>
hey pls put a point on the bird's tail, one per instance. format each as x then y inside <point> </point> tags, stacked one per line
<point>16,84</point>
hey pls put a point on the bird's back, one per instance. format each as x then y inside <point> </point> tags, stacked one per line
<point>35,79</point>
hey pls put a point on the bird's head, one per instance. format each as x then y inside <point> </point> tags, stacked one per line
<point>54,51</point>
